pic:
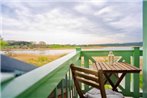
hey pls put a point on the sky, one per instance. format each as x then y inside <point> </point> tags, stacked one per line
<point>72,21</point>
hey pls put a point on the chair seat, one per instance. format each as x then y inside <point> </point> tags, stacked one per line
<point>95,93</point>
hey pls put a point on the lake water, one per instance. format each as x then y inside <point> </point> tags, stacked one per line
<point>63,51</point>
<point>43,52</point>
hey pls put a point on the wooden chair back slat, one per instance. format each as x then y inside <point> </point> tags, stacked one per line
<point>80,69</point>
<point>86,76</point>
<point>89,77</point>
<point>88,82</point>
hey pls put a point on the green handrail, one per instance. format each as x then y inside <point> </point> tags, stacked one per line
<point>40,82</point>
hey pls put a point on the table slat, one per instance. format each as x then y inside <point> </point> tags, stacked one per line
<point>116,67</point>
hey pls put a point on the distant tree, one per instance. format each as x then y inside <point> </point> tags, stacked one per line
<point>42,43</point>
<point>33,42</point>
<point>3,44</point>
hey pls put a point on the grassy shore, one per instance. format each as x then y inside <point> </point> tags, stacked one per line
<point>36,59</point>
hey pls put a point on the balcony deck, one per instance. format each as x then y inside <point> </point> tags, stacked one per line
<point>55,78</point>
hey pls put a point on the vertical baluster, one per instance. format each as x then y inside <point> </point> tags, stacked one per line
<point>55,93</point>
<point>144,49</point>
<point>75,92</point>
<point>73,89</point>
<point>86,64</point>
<point>136,59</point>
<point>62,88</point>
<point>78,63</point>
<point>69,85</point>
<point>127,77</point>
<point>66,86</point>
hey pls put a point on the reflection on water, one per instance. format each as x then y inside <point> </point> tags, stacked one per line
<point>43,52</point>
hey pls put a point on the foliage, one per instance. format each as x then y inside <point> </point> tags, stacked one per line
<point>57,46</point>
<point>42,45</point>
<point>34,59</point>
<point>3,44</point>
<point>40,60</point>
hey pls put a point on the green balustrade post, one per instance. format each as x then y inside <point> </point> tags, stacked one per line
<point>66,77</point>
<point>86,64</point>
<point>127,78</point>
<point>69,84</point>
<point>78,49</point>
<point>144,49</point>
<point>62,89</point>
<point>78,61</point>
<point>56,93</point>
<point>136,63</point>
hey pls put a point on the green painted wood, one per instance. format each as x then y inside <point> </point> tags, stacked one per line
<point>76,94</point>
<point>62,89</point>
<point>89,57</point>
<point>136,62</point>
<point>145,48</point>
<point>127,77</point>
<point>78,49</point>
<point>43,90</point>
<point>132,94</point>
<point>86,64</point>
<point>78,61</point>
<point>69,84</point>
<point>121,88</point>
<point>40,82</point>
<point>6,77</point>
<point>66,86</point>
<point>105,53</point>
<point>48,76</point>
<point>141,53</point>
<point>56,93</point>
<point>72,90</point>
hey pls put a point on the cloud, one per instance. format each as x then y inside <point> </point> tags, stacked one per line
<point>73,22</point>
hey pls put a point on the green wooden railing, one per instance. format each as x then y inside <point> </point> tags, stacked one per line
<point>129,56</point>
<point>145,48</point>
<point>54,79</point>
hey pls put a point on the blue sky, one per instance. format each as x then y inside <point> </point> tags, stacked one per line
<point>71,21</point>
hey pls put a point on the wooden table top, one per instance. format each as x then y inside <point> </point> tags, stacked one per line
<point>117,67</point>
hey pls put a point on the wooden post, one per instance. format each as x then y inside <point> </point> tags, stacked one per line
<point>78,61</point>
<point>62,89</point>
<point>127,78</point>
<point>56,93</point>
<point>86,64</point>
<point>78,49</point>
<point>66,77</point>
<point>145,49</point>
<point>136,63</point>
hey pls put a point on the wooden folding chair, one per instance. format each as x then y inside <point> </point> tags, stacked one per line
<point>94,79</point>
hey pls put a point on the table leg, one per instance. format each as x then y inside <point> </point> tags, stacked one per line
<point>109,80</point>
<point>118,82</point>
<point>114,86</point>
<point>106,78</point>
